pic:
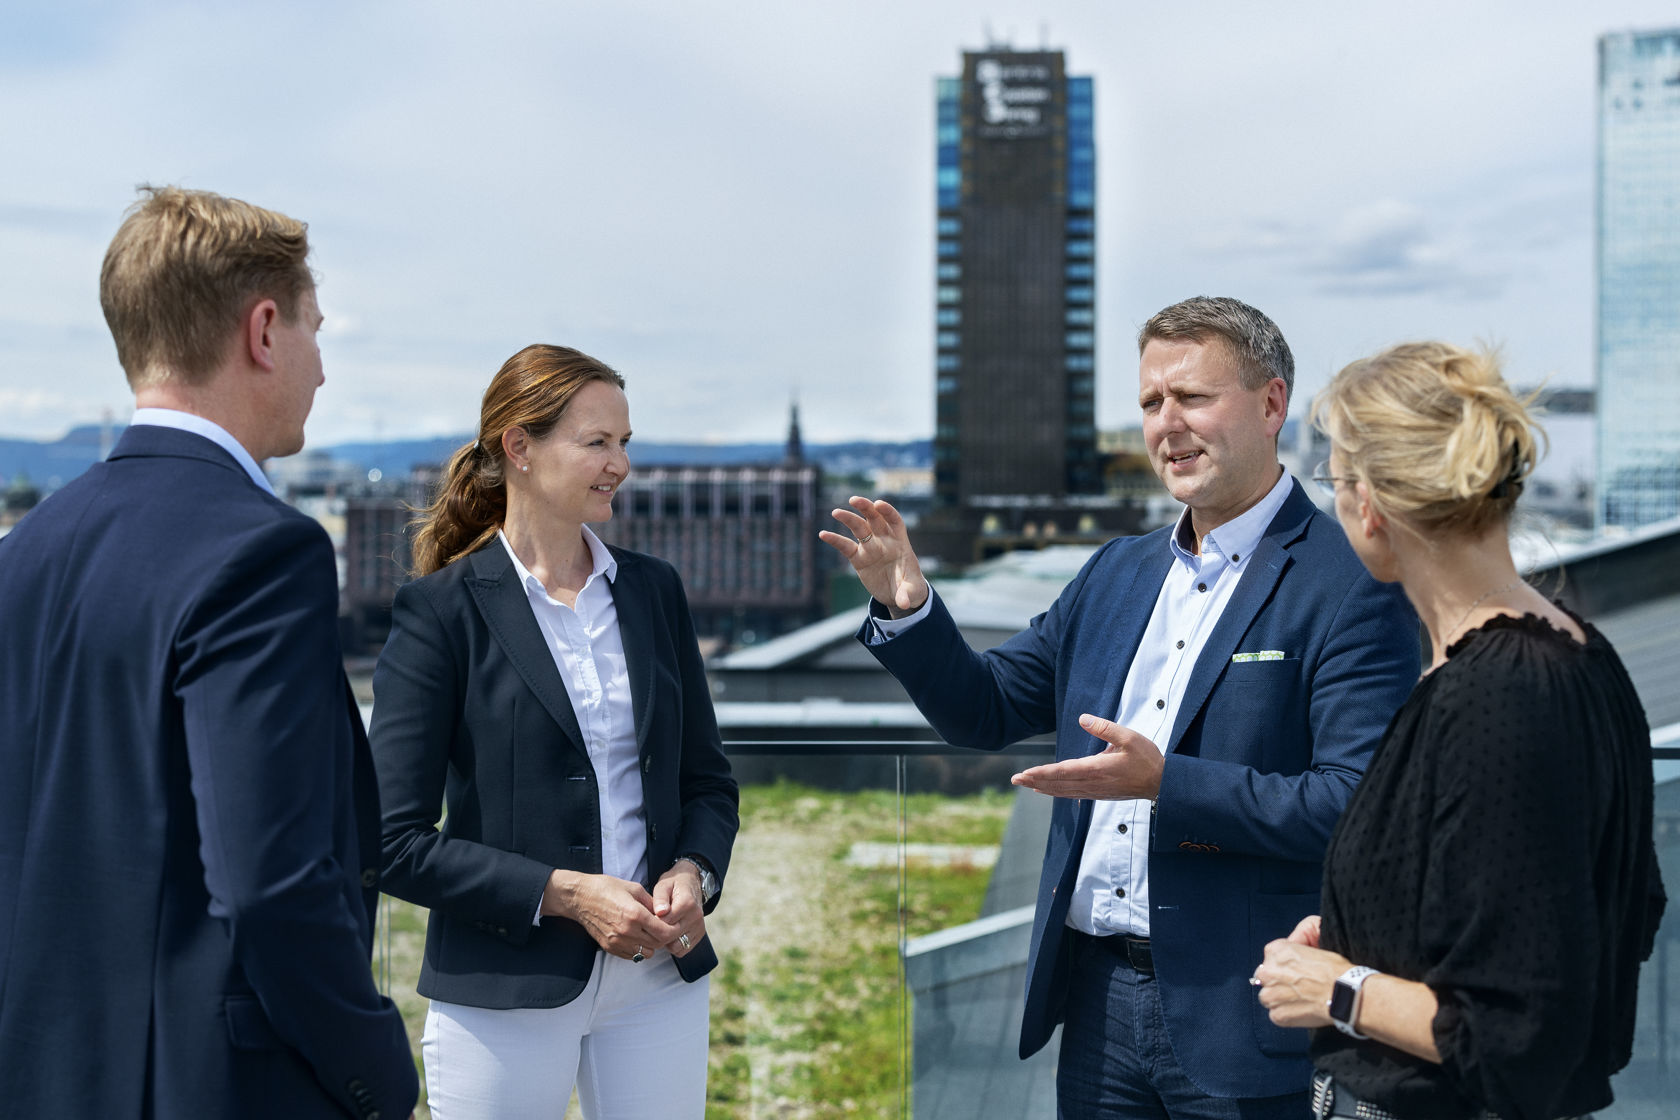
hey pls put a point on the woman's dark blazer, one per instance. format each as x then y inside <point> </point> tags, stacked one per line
<point>469,707</point>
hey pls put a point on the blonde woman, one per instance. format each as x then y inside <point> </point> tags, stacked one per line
<point>1492,888</point>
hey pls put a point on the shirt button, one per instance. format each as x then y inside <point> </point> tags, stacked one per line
<point>1181,643</point>
<point>1121,893</point>
<point>1235,556</point>
<point>1201,587</point>
<point>1122,828</point>
<point>1160,704</point>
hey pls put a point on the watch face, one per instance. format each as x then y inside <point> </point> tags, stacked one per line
<point>1341,1002</point>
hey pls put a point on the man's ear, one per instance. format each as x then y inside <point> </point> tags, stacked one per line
<point>1277,405</point>
<point>258,332</point>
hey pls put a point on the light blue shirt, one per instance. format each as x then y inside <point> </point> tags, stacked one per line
<point>209,429</point>
<point>1111,893</point>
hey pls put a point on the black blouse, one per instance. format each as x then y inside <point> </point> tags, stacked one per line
<point>1499,850</point>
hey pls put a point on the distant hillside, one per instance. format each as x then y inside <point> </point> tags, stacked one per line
<point>50,464</point>
<point>396,457</point>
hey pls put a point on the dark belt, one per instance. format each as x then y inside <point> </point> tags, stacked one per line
<point>1133,950</point>
<point>1330,1099</point>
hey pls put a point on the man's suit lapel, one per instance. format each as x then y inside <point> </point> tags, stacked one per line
<point>1128,604</point>
<point>635,627</point>
<point>1130,607</point>
<point>1265,568</point>
<point>506,611</point>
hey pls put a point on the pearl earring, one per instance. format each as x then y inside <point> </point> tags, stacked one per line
<point>526,467</point>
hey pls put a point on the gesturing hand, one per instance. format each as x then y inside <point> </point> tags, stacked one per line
<point>1128,768</point>
<point>618,914</point>
<point>879,551</point>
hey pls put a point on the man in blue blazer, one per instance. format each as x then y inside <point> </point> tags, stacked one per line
<point>189,834</point>
<point>1216,688</point>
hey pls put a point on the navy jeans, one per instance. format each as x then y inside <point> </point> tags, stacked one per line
<point>1116,1061</point>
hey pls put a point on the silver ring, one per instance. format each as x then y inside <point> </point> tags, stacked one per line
<point>1255,981</point>
<point>638,958</point>
<point>866,538</point>
<point>684,939</point>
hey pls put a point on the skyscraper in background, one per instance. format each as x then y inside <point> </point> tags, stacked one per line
<point>1015,319</point>
<point>1015,324</point>
<point>1638,277</point>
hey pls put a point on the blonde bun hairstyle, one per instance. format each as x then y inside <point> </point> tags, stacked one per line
<point>1441,442</point>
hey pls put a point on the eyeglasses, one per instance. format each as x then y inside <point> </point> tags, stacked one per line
<point>1327,481</point>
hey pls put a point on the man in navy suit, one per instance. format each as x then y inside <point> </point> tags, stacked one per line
<point>189,828</point>
<point>1216,689</point>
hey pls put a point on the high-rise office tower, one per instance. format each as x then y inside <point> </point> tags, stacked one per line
<point>1638,277</point>
<point>1015,320</point>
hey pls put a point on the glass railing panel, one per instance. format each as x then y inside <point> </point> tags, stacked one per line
<point>1650,1085</point>
<point>972,853</point>
<point>807,1002</point>
<point>873,938</point>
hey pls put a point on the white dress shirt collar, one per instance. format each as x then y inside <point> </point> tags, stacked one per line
<point>1238,537</point>
<point>209,429</point>
<point>602,557</point>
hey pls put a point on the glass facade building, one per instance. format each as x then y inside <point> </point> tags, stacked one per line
<point>1638,242</point>
<point>1015,289</point>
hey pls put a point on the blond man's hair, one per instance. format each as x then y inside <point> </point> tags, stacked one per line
<point>181,271</point>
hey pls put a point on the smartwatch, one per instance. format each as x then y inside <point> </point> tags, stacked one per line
<point>1346,997</point>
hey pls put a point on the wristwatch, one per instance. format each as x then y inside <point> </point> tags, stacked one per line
<point>1346,997</point>
<point>708,881</point>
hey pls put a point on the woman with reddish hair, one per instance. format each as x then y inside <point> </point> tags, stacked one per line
<point>546,689</point>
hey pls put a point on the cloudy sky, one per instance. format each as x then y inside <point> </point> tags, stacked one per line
<point>732,202</point>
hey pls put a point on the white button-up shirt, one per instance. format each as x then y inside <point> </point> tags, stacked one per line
<point>1111,893</point>
<point>588,650</point>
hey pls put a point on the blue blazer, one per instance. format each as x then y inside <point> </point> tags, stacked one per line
<point>469,708</point>
<point>188,845</point>
<point>1261,762</point>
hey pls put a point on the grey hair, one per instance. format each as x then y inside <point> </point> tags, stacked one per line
<point>1250,336</point>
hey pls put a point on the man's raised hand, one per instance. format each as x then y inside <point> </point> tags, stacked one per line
<point>879,551</point>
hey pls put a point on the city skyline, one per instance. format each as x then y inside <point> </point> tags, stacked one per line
<point>732,203</point>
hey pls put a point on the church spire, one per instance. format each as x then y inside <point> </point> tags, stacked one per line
<point>795,453</point>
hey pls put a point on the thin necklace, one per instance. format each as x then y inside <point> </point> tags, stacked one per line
<point>1478,601</point>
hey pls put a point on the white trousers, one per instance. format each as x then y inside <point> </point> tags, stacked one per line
<point>633,1041</point>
